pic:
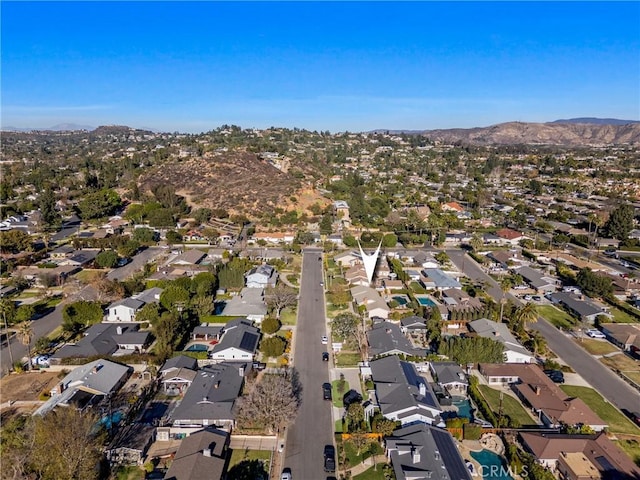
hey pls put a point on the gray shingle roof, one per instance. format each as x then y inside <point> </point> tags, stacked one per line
<point>498,332</point>
<point>448,372</point>
<point>190,463</point>
<point>178,362</point>
<point>103,339</point>
<point>211,395</point>
<point>386,338</point>
<point>241,335</point>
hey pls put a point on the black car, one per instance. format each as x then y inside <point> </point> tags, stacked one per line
<point>329,458</point>
<point>325,356</point>
<point>556,376</point>
<point>326,391</point>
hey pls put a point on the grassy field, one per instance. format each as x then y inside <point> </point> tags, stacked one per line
<point>217,318</point>
<point>374,473</point>
<point>556,316</point>
<point>86,276</point>
<point>617,422</point>
<point>510,406</point>
<point>621,362</point>
<point>632,448</point>
<point>596,347</point>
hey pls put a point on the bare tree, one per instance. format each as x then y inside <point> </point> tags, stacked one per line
<point>272,404</point>
<point>280,297</point>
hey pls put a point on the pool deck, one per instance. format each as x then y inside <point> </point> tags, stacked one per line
<point>489,441</point>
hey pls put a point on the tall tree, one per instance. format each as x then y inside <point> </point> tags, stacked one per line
<point>505,285</point>
<point>280,297</point>
<point>525,315</point>
<point>47,205</point>
<point>620,222</point>
<point>272,404</point>
<point>25,333</point>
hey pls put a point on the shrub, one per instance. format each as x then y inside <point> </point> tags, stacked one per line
<point>272,346</point>
<point>270,325</point>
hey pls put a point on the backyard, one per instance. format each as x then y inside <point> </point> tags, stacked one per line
<point>617,422</point>
<point>556,316</point>
<point>510,406</point>
<point>248,463</point>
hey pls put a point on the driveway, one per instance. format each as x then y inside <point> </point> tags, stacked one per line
<point>607,383</point>
<point>313,427</point>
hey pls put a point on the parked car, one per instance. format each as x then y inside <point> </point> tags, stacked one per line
<point>324,340</point>
<point>325,356</point>
<point>329,458</point>
<point>595,334</point>
<point>259,365</point>
<point>326,391</point>
<point>286,474</point>
<point>556,376</point>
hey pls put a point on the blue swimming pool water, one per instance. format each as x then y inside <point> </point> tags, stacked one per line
<point>401,300</point>
<point>197,347</point>
<point>115,419</point>
<point>464,407</point>
<point>493,465</point>
<point>426,301</point>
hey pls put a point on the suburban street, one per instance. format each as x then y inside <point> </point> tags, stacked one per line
<point>313,428</point>
<point>608,384</point>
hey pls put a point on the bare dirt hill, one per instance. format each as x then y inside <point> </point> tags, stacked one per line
<point>566,134</point>
<point>239,182</point>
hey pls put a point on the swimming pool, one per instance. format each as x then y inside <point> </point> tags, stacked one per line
<point>115,419</point>
<point>426,301</point>
<point>493,465</point>
<point>464,407</point>
<point>197,347</point>
<point>401,299</point>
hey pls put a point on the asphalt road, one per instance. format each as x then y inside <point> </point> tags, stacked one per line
<point>608,384</point>
<point>313,428</point>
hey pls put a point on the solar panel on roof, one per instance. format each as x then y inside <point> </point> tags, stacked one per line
<point>249,341</point>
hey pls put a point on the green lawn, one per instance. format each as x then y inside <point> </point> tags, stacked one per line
<point>510,406</point>
<point>617,422</point>
<point>632,448</point>
<point>336,395</point>
<point>288,316</point>
<point>374,473</point>
<point>556,316</point>
<point>239,455</point>
<point>417,288</point>
<point>338,426</point>
<point>216,318</point>
<point>622,317</point>
<point>347,359</point>
<point>596,347</point>
<point>128,473</point>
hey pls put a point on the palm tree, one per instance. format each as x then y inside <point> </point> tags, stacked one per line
<point>537,343</point>
<point>25,332</point>
<point>526,314</point>
<point>505,286</point>
<point>476,242</point>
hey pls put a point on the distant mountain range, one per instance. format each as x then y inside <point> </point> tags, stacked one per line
<point>597,121</point>
<point>61,127</point>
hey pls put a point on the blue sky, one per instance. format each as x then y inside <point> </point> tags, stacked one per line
<point>335,66</point>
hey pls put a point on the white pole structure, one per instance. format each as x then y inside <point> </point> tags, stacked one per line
<point>370,261</point>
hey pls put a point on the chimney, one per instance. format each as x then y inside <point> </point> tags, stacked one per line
<point>241,371</point>
<point>96,368</point>
<point>415,455</point>
<point>206,452</point>
<point>422,388</point>
<point>537,389</point>
<point>217,384</point>
<point>61,387</point>
<point>119,330</point>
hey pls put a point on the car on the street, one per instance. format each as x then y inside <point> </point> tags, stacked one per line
<point>528,297</point>
<point>281,447</point>
<point>322,284</point>
<point>610,252</point>
<point>325,356</point>
<point>324,340</point>
<point>41,360</point>
<point>329,458</point>
<point>286,474</point>
<point>123,261</point>
<point>536,298</point>
<point>326,391</point>
<point>593,333</point>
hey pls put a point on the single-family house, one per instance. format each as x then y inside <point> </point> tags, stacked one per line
<point>202,455</point>
<point>514,352</point>
<point>547,400</point>
<point>189,257</point>
<point>106,339</point>
<point>582,308</point>
<point>210,398</point>
<point>540,282</point>
<point>436,279</point>
<point>403,395</point>
<point>368,297</point>
<point>249,304</point>
<point>422,451</point>
<point>357,275</point>
<point>124,310</point>
<point>178,381</point>
<point>580,457</point>
<point>348,259</point>
<point>624,335</point>
<point>413,323</point>
<point>238,343</point>
<point>386,338</point>
<point>174,364</point>
<point>424,260</point>
<point>79,258</point>
<point>450,376</point>
<point>262,276</point>
<point>510,237</point>
<point>87,385</point>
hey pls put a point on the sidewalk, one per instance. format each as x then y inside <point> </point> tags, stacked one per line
<point>367,464</point>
